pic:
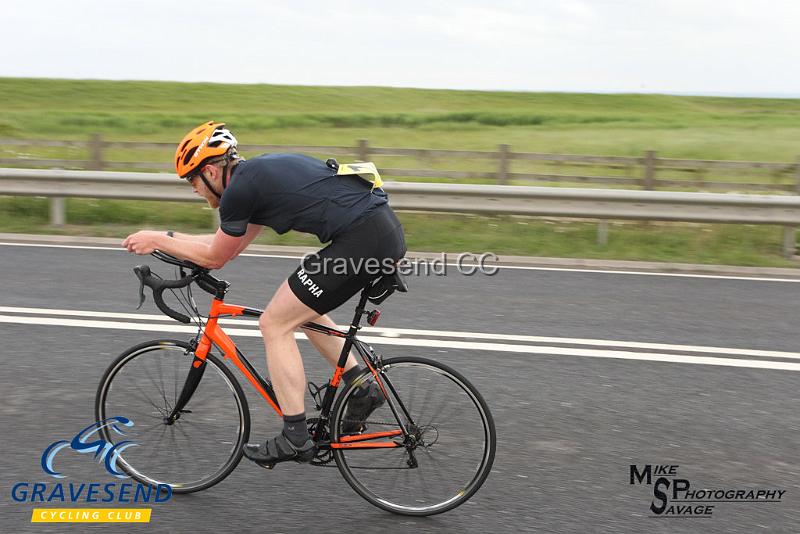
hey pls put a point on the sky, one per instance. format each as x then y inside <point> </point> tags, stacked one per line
<point>726,47</point>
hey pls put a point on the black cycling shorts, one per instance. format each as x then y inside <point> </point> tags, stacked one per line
<point>371,246</point>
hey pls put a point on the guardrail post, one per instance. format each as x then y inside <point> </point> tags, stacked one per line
<point>363,150</point>
<point>649,169</point>
<point>503,160</point>
<point>602,233</point>
<point>58,211</point>
<point>789,241</point>
<point>95,153</point>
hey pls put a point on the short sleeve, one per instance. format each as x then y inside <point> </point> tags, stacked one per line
<point>236,208</point>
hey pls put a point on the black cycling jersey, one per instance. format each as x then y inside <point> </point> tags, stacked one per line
<point>294,192</point>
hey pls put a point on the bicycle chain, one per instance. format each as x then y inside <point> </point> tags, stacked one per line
<point>370,422</point>
<point>326,457</point>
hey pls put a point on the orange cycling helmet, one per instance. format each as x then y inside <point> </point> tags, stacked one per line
<point>206,141</point>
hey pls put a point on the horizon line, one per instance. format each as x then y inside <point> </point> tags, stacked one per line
<point>667,92</point>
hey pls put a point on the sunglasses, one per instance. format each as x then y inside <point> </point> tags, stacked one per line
<point>194,174</point>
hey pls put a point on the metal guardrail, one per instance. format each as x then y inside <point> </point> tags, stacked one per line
<point>604,204</point>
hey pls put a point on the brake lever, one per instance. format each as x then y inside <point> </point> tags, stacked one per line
<point>141,295</point>
<point>140,275</point>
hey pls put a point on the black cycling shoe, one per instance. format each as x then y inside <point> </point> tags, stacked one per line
<point>361,404</point>
<point>280,449</point>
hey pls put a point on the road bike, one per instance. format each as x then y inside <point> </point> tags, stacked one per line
<point>426,450</point>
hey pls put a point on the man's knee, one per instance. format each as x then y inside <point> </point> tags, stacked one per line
<point>284,313</point>
<point>274,325</point>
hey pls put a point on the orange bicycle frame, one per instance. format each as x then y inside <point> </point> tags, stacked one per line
<point>213,334</point>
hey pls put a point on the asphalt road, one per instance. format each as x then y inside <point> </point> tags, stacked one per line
<point>570,421</point>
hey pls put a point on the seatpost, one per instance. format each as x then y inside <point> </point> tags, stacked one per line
<point>354,326</point>
<point>360,309</point>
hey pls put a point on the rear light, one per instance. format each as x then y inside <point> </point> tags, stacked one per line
<point>373,316</point>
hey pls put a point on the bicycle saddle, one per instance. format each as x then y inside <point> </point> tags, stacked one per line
<point>380,289</point>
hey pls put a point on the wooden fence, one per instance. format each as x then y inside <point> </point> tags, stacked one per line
<point>502,166</point>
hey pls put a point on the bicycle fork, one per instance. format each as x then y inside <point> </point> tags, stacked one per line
<point>189,386</point>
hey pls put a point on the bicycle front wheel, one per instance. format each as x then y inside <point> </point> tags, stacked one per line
<point>197,450</point>
<point>448,447</point>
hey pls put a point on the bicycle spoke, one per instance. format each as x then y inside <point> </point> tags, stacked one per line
<point>177,448</point>
<point>150,377</point>
<point>175,373</point>
<point>401,462</point>
<point>160,439</point>
<point>145,429</point>
<point>444,415</point>
<point>147,399</point>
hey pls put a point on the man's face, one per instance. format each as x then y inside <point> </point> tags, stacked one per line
<point>211,174</point>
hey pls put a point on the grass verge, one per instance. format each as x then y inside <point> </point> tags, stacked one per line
<point>743,245</point>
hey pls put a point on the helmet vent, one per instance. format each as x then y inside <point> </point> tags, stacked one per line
<point>188,157</point>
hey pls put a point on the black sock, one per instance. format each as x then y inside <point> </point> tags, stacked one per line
<point>351,375</point>
<point>296,429</point>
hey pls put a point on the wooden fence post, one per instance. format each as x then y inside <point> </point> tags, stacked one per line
<point>503,164</point>
<point>649,169</point>
<point>95,153</point>
<point>363,150</point>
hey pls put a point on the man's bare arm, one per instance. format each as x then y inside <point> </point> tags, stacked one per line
<point>206,238</point>
<point>212,255</point>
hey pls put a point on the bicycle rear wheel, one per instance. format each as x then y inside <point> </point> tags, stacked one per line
<point>452,444</point>
<point>197,450</point>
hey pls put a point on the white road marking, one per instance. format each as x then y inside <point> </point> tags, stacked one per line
<point>433,343</point>
<point>400,332</point>
<point>501,267</point>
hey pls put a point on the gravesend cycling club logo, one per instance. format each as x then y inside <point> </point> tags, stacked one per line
<point>90,442</point>
<point>106,452</point>
<point>676,497</point>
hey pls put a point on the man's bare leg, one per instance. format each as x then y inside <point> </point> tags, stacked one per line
<point>278,323</point>
<point>284,314</point>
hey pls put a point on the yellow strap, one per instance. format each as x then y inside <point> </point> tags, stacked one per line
<point>365,170</point>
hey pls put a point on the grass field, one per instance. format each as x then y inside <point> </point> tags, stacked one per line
<point>626,125</point>
<point>676,126</point>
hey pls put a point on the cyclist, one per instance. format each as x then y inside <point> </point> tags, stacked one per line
<point>288,192</point>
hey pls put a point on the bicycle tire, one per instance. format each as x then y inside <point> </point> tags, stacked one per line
<point>367,470</point>
<point>122,389</point>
